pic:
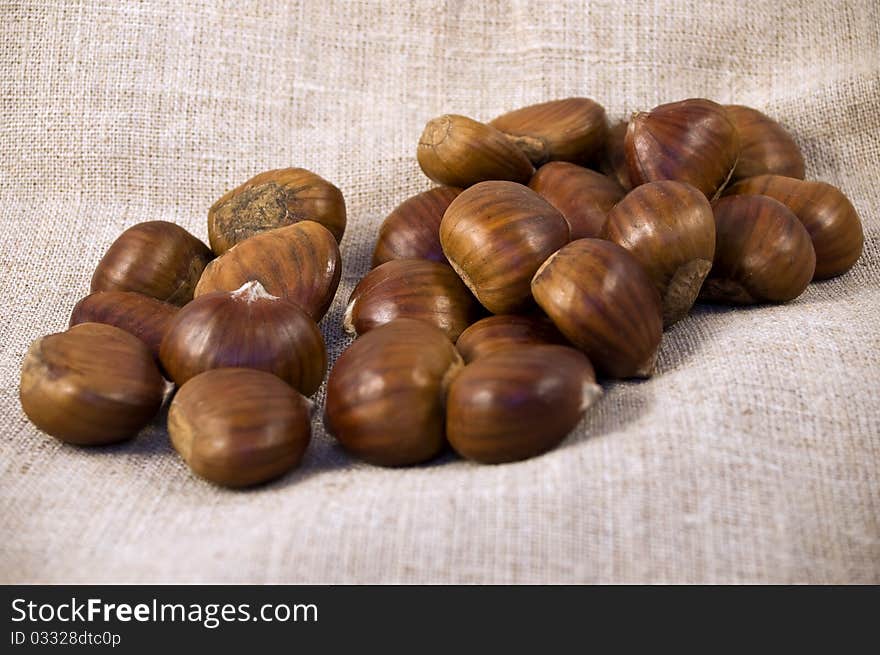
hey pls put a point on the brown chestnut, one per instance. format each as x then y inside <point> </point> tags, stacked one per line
<point>144,317</point>
<point>459,151</point>
<point>765,146</point>
<point>667,226</point>
<point>613,162</point>
<point>495,333</point>
<point>496,235</point>
<point>275,199</point>
<point>582,196</point>
<point>828,215</point>
<point>412,230</point>
<point>603,301</point>
<point>238,427</point>
<point>516,403</point>
<point>246,328</point>
<point>691,141</point>
<point>92,385</point>
<point>156,258</point>
<point>762,252</point>
<point>571,129</point>
<point>411,288</point>
<point>386,393</point>
<point>299,262</point>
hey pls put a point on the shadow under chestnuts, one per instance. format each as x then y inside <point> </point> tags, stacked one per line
<point>557,249</point>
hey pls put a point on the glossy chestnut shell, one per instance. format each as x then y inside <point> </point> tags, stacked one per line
<point>601,299</point>
<point>763,253</point>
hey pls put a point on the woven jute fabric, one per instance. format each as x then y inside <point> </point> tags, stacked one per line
<point>752,456</point>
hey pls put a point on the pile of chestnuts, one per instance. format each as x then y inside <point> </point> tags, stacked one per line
<point>555,249</point>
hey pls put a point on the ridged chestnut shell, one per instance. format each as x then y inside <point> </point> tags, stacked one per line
<point>496,235</point>
<point>517,403</point>
<point>458,151</point>
<point>571,129</point>
<point>495,333</point>
<point>582,196</point>
<point>691,141</point>
<point>601,299</point>
<point>828,215</point>
<point>386,394</point>
<point>157,258</point>
<point>669,228</point>
<point>412,230</point>
<point>239,427</point>
<point>275,199</point>
<point>300,262</point>
<point>247,328</point>
<point>763,253</point>
<point>765,146</point>
<point>411,288</point>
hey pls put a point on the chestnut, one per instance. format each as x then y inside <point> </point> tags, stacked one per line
<point>496,235</point>
<point>495,333</point>
<point>238,427</point>
<point>582,196</point>
<point>459,151</point>
<point>247,328</point>
<point>570,129</point>
<point>156,258</point>
<point>603,301</point>
<point>275,199</point>
<point>765,146</point>
<point>412,230</point>
<point>140,315</point>
<point>667,226</point>
<point>92,385</point>
<point>828,215</point>
<point>411,288</point>
<point>762,252</point>
<point>691,141</point>
<point>299,262</point>
<point>516,403</point>
<point>386,394</point>
<point>613,162</point>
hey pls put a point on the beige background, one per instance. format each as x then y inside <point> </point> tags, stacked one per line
<point>754,454</point>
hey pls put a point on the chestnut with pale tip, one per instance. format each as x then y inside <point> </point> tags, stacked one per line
<point>144,317</point>
<point>582,196</point>
<point>763,253</point>
<point>520,402</point>
<point>570,129</point>
<point>239,427</point>
<point>669,228</point>
<point>458,151</point>
<point>495,333</point>
<point>411,288</point>
<point>92,385</point>
<point>603,301</point>
<point>247,328</point>
<point>156,258</point>
<point>386,393</point>
<point>832,222</point>
<point>271,200</point>
<point>496,235</point>
<point>412,230</point>
<point>691,141</point>
<point>300,262</point>
<point>765,146</point>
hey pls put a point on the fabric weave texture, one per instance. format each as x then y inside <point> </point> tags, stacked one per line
<point>753,455</point>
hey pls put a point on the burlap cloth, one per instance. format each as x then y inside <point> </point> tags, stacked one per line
<point>752,456</point>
